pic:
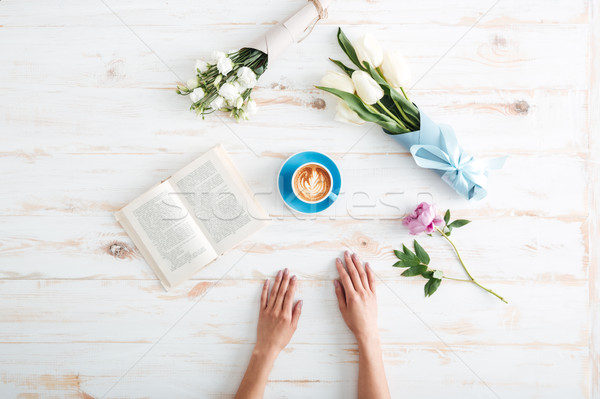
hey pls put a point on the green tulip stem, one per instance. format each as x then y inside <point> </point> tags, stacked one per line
<point>465,267</point>
<point>394,117</point>
<point>403,92</point>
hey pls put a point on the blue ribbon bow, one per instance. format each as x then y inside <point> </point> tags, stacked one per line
<point>436,147</point>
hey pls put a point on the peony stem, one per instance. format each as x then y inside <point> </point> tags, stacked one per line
<point>465,267</point>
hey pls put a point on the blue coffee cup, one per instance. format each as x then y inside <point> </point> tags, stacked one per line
<point>286,178</point>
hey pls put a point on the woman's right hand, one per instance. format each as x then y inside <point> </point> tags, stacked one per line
<point>355,291</point>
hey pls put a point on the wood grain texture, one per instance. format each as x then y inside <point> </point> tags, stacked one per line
<point>89,120</point>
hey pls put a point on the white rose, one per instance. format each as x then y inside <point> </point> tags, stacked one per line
<point>337,80</point>
<point>217,103</point>
<point>197,95</point>
<point>246,78</point>
<point>345,114</point>
<point>224,65</point>
<point>192,83</point>
<point>216,56</point>
<point>201,66</point>
<point>368,49</point>
<point>395,69</point>
<point>239,102</point>
<point>366,87</point>
<point>228,91</point>
<point>250,107</point>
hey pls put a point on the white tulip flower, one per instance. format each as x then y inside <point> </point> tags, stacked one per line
<point>197,95</point>
<point>192,83</point>
<point>337,80</point>
<point>396,70</point>
<point>217,103</point>
<point>228,91</point>
<point>366,87</point>
<point>201,66</point>
<point>216,56</point>
<point>224,65</point>
<point>345,114</point>
<point>368,49</point>
<point>246,78</point>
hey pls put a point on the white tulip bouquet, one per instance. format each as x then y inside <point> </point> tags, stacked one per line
<point>374,92</point>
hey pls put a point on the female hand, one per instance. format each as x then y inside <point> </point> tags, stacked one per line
<point>278,316</point>
<point>355,291</point>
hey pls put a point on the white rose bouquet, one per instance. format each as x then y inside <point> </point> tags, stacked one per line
<point>374,92</point>
<point>225,82</point>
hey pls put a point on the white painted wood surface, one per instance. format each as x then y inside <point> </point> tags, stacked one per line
<point>89,120</point>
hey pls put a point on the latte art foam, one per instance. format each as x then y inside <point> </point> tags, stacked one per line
<point>312,183</point>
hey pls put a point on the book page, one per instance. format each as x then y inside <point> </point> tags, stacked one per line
<point>220,200</point>
<point>166,234</point>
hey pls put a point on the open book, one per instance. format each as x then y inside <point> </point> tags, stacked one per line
<point>191,218</point>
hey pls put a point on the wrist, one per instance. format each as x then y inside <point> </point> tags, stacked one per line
<point>264,353</point>
<point>368,341</point>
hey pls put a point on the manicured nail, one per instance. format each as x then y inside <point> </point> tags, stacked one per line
<point>294,277</point>
<point>346,253</point>
<point>279,273</point>
<point>286,271</point>
<point>300,304</point>
<point>338,260</point>
<point>367,265</point>
<point>336,284</point>
<point>266,282</point>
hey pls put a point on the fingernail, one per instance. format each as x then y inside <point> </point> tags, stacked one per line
<point>294,277</point>
<point>300,304</point>
<point>335,283</point>
<point>346,253</point>
<point>286,271</point>
<point>338,260</point>
<point>279,273</point>
<point>266,282</point>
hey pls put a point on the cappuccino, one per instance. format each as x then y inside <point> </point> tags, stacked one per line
<point>311,182</point>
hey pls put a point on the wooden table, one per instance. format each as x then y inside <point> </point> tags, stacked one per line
<point>89,120</point>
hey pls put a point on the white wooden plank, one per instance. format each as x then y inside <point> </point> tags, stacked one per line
<point>140,311</point>
<point>302,371</point>
<point>500,248</point>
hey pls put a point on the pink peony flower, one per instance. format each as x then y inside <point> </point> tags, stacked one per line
<point>423,219</point>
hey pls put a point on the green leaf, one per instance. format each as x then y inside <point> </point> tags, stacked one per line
<point>364,112</point>
<point>447,217</point>
<point>427,274</point>
<point>408,251</point>
<point>459,223</point>
<point>348,48</point>
<point>432,286</point>
<point>421,253</point>
<point>399,264</point>
<point>399,254</point>
<point>343,67</point>
<point>414,270</point>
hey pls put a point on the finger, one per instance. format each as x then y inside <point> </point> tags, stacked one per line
<point>361,271</point>
<point>264,295</point>
<point>344,277</point>
<point>282,289</point>
<point>288,301</point>
<point>370,277</point>
<point>274,290</point>
<point>339,293</point>
<point>353,272</point>
<point>296,313</point>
